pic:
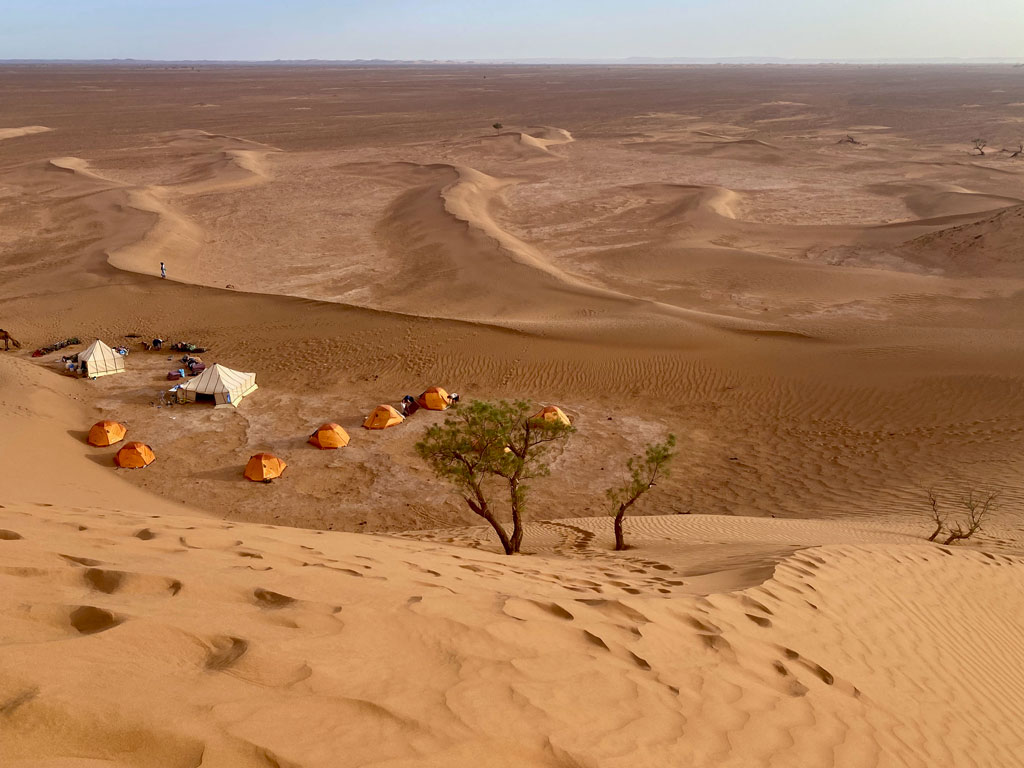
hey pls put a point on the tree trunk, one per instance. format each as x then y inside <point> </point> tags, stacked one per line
<point>620,541</point>
<point>480,508</point>
<point>938,530</point>
<point>956,536</point>
<point>517,516</point>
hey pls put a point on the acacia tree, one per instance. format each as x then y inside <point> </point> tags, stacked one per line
<point>485,441</point>
<point>463,451</point>
<point>497,127</point>
<point>979,146</point>
<point>644,472</point>
<point>528,442</point>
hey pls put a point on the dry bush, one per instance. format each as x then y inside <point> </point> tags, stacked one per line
<point>977,506</point>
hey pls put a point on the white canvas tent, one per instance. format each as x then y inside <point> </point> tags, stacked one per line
<point>218,385</point>
<point>100,360</point>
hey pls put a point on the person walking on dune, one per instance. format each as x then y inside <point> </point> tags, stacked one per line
<point>163,270</point>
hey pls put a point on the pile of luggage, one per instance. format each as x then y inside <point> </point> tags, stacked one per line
<point>54,347</point>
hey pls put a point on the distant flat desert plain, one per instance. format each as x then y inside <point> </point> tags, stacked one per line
<point>812,276</point>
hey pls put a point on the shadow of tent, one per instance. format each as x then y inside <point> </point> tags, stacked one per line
<point>105,459</point>
<point>227,474</point>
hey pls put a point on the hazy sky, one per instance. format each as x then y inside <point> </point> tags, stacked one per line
<point>479,29</point>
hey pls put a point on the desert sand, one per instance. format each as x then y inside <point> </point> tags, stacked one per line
<point>828,327</point>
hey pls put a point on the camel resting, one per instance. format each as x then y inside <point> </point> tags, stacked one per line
<point>9,340</point>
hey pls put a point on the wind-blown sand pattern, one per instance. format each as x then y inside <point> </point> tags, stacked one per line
<point>28,130</point>
<point>828,328</point>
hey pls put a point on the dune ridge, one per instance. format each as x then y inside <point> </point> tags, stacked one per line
<point>27,130</point>
<point>250,630</point>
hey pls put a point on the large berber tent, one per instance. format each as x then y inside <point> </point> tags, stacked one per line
<point>218,385</point>
<point>100,360</point>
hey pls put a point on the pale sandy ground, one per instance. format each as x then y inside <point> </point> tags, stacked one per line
<point>137,637</point>
<point>828,328</point>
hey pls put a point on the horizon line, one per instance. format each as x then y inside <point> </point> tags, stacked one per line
<point>541,60</point>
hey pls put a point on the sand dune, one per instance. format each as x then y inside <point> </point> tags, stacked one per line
<point>934,200</point>
<point>529,143</point>
<point>28,130</point>
<point>751,150</point>
<point>201,641</point>
<point>43,453</point>
<point>987,247</point>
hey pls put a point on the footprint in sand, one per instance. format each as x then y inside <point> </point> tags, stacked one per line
<point>107,582</point>
<point>87,561</point>
<point>816,669</point>
<point>595,640</point>
<point>224,652</point>
<point>6,535</point>
<point>89,620</point>
<point>8,707</point>
<point>271,600</point>
<point>640,662</point>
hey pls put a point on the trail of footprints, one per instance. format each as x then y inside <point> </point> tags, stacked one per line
<point>733,633</point>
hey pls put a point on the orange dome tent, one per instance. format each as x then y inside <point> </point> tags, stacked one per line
<point>382,417</point>
<point>104,433</point>
<point>329,436</point>
<point>551,413</point>
<point>134,456</point>
<point>435,399</point>
<point>264,467</point>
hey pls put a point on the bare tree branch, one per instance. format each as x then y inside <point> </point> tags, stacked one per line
<point>978,506</point>
<point>937,516</point>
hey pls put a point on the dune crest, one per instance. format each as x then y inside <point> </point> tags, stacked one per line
<point>28,130</point>
<point>470,198</point>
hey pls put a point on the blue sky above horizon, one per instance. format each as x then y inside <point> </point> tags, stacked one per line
<point>485,29</point>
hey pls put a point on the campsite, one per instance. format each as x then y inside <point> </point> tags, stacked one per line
<point>203,443</point>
